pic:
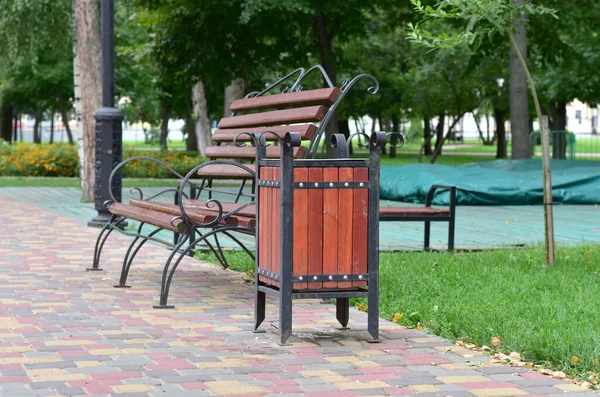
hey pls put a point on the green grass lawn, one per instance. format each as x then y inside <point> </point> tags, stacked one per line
<point>549,315</point>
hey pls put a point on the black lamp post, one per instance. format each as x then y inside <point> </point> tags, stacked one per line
<point>109,130</point>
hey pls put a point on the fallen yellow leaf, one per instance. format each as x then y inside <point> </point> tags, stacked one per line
<point>575,360</point>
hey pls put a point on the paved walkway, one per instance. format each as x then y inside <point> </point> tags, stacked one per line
<point>477,227</point>
<point>68,332</point>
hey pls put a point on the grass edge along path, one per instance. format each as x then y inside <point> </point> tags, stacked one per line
<point>503,297</point>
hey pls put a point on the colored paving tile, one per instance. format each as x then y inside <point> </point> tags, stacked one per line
<point>68,332</point>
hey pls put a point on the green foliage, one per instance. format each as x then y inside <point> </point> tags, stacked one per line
<point>482,17</point>
<point>36,53</point>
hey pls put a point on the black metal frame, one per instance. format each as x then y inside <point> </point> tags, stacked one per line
<point>183,241</point>
<point>285,277</point>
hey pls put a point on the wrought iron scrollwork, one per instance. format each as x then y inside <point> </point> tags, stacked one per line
<point>219,215</point>
<point>314,146</point>
<point>138,158</point>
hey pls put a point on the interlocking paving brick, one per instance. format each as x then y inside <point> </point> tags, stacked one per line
<point>65,331</point>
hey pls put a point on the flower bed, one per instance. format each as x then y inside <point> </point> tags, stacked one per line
<point>26,159</point>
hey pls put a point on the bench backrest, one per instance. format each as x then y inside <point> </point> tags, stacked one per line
<point>294,110</point>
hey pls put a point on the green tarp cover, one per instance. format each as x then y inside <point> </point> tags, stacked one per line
<point>500,182</point>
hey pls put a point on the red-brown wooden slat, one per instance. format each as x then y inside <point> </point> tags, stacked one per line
<point>306,131</point>
<point>330,226</point>
<point>248,153</point>
<point>360,229</point>
<point>198,214</point>
<point>315,227</point>
<point>249,211</point>
<point>321,96</point>
<point>300,250</point>
<point>408,211</point>
<point>145,215</point>
<point>263,225</point>
<point>345,226</point>
<point>226,171</point>
<point>287,116</point>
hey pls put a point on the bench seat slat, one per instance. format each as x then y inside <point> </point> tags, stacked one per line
<point>248,152</point>
<point>306,131</point>
<point>146,215</point>
<point>277,117</point>
<point>196,213</point>
<point>321,96</point>
<point>226,171</point>
<point>415,211</point>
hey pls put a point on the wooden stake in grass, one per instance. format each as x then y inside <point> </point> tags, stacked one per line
<point>547,180</point>
<point>548,215</point>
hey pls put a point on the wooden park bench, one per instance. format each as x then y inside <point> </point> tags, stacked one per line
<point>192,212</point>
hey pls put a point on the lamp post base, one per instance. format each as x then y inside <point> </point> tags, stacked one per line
<point>99,220</point>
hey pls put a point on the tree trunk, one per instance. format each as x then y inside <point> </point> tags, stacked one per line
<point>439,133</point>
<point>558,122</point>
<point>89,53</point>
<point>382,127</point>
<point>6,114</point>
<point>191,143</point>
<point>202,122</point>
<point>164,122</point>
<point>499,118</point>
<point>235,90</point>
<point>15,130</point>
<point>52,127</point>
<point>519,110</point>
<point>37,133</point>
<point>427,137</point>
<point>63,114</point>
<point>394,138</point>
<point>328,61</point>
<point>20,128</point>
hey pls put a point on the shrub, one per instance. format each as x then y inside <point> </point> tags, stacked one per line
<point>181,162</point>
<point>26,159</point>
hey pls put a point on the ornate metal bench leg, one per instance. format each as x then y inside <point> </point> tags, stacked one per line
<point>221,255</point>
<point>342,311</point>
<point>451,234</point>
<point>104,233</point>
<point>168,275</point>
<point>427,236</point>
<point>128,260</point>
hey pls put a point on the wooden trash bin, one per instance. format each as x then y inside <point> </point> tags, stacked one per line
<point>318,231</point>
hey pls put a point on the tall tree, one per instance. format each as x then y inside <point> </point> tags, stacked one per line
<point>89,52</point>
<point>519,109</point>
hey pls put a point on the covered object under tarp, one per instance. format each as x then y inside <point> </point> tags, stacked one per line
<point>500,182</point>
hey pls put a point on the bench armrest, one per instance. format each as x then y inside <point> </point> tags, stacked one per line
<point>431,192</point>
